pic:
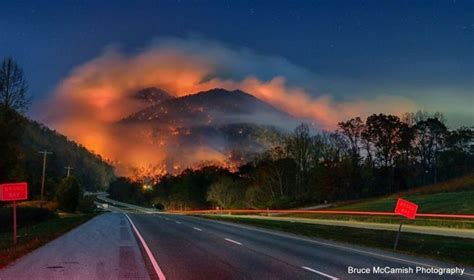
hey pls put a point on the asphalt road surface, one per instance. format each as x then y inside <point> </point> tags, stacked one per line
<point>103,248</point>
<point>187,247</point>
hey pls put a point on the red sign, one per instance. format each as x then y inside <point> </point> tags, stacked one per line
<point>13,191</point>
<point>406,208</point>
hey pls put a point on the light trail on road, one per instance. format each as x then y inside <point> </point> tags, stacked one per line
<point>334,212</point>
<point>254,253</point>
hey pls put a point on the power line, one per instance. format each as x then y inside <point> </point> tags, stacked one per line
<point>45,154</point>
<point>69,168</point>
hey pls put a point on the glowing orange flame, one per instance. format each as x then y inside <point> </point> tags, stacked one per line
<point>87,104</point>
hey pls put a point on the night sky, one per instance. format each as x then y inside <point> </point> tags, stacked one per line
<point>422,50</point>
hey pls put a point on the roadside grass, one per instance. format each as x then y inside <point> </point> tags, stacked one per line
<point>451,202</point>
<point>32,237</point>
<point>48,204</point>
<point>26,216</point>
<point>450,249</point>
<point>461,202</point>
<point>453,185</point>
<point>433,222</point>
<point>455,196</point>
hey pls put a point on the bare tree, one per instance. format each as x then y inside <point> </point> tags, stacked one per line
<point>13,86</point>
<point>430,136</point>
<point>384,132</point>
<point>333,148</point>
<point>225,193</point>
<point>275,171</point>
<point>352,130</point>
<point>300,147</point>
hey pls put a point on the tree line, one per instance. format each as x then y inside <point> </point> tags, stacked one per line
<point>21,139</point>
<point>361,158</point>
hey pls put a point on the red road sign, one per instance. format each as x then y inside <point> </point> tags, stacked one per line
<point>13,191</point>
<point>406,208</point>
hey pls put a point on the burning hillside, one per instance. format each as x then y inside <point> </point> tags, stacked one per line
<point>208,126</point>
<point>161,106</point>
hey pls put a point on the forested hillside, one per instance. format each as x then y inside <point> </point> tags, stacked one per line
<point>22,160</point>
<point>92,172</point>
<point>22,140</point>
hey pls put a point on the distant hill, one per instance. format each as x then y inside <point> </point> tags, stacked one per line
<point>224,121</point>
<point>90,169</point>
<point>215,106</point>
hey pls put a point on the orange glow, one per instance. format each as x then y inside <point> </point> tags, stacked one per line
<point>87,105</point>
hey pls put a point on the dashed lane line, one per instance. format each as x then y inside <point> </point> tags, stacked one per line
<point>320,273</point>
<point>233,241</point>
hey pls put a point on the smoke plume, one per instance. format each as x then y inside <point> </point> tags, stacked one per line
<point>96,95</point>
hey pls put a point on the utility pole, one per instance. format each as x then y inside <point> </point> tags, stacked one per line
<point>69,168</point>
<point>45,154</point>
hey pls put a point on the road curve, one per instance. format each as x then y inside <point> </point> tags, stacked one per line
<point>194,248</point>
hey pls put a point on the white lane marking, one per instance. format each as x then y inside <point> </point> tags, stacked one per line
<point>167,219</point>
<point>233,241</point>
<point>320,273</point>
<point>156,267</point>
<point>329,244</point>
<point>178,222</point>
<point>198,229</point>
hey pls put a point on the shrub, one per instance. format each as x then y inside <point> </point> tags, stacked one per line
<point>68,194</point>
<point>86,204</point>
<point>226,193</point>
<point>26,216</point>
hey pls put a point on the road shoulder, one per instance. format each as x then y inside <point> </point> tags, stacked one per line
<point>103,248</point>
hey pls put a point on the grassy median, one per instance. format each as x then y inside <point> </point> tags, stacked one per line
<point>32,237</point>
<point>433,222</point>
<point>444,202</point>
<point>451,249</point>
<point>460,202</point>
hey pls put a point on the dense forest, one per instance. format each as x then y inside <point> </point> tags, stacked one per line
<point>21,140</point>
<point>23,162</point>
<point>381,155</point>
<point>92,172</point>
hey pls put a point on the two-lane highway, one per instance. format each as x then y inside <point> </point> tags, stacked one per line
<point>187,247</point>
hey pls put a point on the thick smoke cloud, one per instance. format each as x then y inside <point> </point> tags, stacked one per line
<point>97,94</point>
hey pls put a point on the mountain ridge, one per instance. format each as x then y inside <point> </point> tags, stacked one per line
<point>217,124</point>
<point>152,95</point>
<point>218,104</point>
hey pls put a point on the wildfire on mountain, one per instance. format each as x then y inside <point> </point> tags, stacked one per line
<point>147,109</point>
<point>174,130</point>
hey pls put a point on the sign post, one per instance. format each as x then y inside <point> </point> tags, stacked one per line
<point>14,222</point>
<point>398,234</point>
<point>407,209</point>
<point>14,192</point>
